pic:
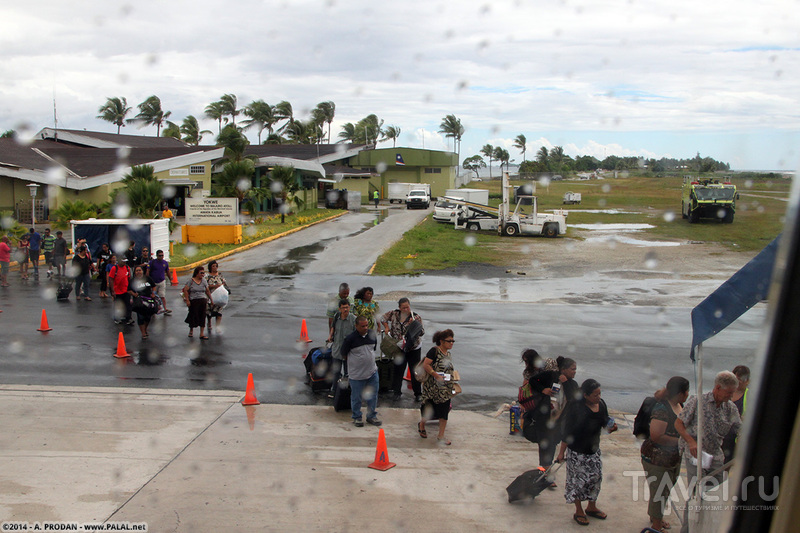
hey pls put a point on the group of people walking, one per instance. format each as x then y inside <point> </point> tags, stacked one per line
<point>30,248</point>
<point>558,410</point>
<point>354,324</point>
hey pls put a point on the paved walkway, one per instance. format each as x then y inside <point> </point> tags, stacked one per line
<point>189,461</point>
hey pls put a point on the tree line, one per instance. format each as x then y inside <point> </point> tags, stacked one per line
<point>555,160</point>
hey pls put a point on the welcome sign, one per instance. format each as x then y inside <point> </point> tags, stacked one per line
<point>212,211</point>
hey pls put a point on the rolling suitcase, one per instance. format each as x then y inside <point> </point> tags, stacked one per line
<point>318,367</point>
<point>531,483</point>
<point>341,396</point>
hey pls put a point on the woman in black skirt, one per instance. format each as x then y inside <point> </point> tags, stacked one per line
<point>197,296</point>
<point>436,390</point>
<point>584,421</point>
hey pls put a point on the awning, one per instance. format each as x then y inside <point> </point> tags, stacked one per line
<point>180,181</point>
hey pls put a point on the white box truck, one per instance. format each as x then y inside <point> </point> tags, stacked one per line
<point>398,192</point>
<point>476,196</point>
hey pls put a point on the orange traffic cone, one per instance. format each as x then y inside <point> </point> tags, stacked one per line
<point>408,378</point>
<point>121,350</point>
<point>303,333</point>
<point>44,325</point>
<point>174,277</point>
<point>382,454</point>
<point>250,392</point>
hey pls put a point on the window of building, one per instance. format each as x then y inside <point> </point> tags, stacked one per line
<point>197,169</point>
<point>433,171</point>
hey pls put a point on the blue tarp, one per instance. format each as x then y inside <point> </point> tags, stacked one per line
<point>730,301</point>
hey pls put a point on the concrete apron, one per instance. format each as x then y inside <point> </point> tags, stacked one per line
<point>189,461</point>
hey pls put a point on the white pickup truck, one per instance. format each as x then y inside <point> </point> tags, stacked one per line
<point>418,198</point>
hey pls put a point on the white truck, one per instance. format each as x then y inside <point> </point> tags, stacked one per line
<point>519,223</point>
<point>419,198</point>
<point>478,196</point>
<point>398,192</point>
<point>572,198</point>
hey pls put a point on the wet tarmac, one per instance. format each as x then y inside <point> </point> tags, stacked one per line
<point>607,325</point>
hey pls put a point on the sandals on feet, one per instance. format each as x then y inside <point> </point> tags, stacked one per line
<point>600,515</point>
<point>203,338</point>
<point>444,441</point>
<point>581,519</point>
<point>422,432</point>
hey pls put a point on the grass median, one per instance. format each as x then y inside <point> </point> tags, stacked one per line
<point>264,227</point>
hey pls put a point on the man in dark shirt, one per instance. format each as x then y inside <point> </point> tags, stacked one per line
<point>60,250</point>
<point>158,270</point>
<point>35,240</point>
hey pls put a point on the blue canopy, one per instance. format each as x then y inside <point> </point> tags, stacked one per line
<point>730,301</point>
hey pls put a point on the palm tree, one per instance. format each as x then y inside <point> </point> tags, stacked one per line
<point>192,134</point>
<point>285,183</point>
<point>215,111</point>
<point>142,191</point>
<point>452,127</point>
<point>392,132</point>
<point>370,128</point>
<point>348,133</point>
<point>262,115</point>
<point>299,132</point>
<point>317,120</point>
<point>151,114</point>
<point>228,104</point>
<point>557,158</point>
<point>114,111</point>
<point>502,155</point>
<point>283,111</point>
<point>488,152</point>
<point>234,142</point>
<point>327,111</point>
<point>521,143</point>
<point>542,157</point>
<point>172,130</point>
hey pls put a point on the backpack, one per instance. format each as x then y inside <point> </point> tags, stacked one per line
<point>641,424</point>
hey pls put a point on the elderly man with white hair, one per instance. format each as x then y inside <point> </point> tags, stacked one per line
<point>720,416</point>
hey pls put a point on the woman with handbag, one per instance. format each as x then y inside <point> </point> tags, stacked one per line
<point>197,297</point>
<point>215,281</point>
<point>439,385</point>
<point>403,329</point>
<point>660,456</point>
<point>141,288</point>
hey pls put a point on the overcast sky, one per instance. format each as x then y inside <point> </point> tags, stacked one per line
<point>652,78</point>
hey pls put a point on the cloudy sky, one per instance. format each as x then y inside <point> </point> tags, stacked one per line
<point>649,78</point>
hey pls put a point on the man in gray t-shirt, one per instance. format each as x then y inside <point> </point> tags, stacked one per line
<point>358,349</point>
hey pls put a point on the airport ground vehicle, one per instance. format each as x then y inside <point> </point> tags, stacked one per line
<point>708,198</point>
<point>535,223</point>
<point>572,198</point>
<point>479,196</point>
<point>418,198</point>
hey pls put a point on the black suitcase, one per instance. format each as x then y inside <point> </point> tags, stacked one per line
<point>318,367</point>
<point>341,396</point>
<point>63,292</point>
<point>385,368</point>
<point>531,483</point>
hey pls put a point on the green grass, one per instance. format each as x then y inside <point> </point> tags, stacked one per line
<point>655,201</point>
<point>184,254</point>
<point>433,245</point>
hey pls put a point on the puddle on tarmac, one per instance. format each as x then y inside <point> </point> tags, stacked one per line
<point>622,239</point>
<point>294,261</point>
<point>612,227</point>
